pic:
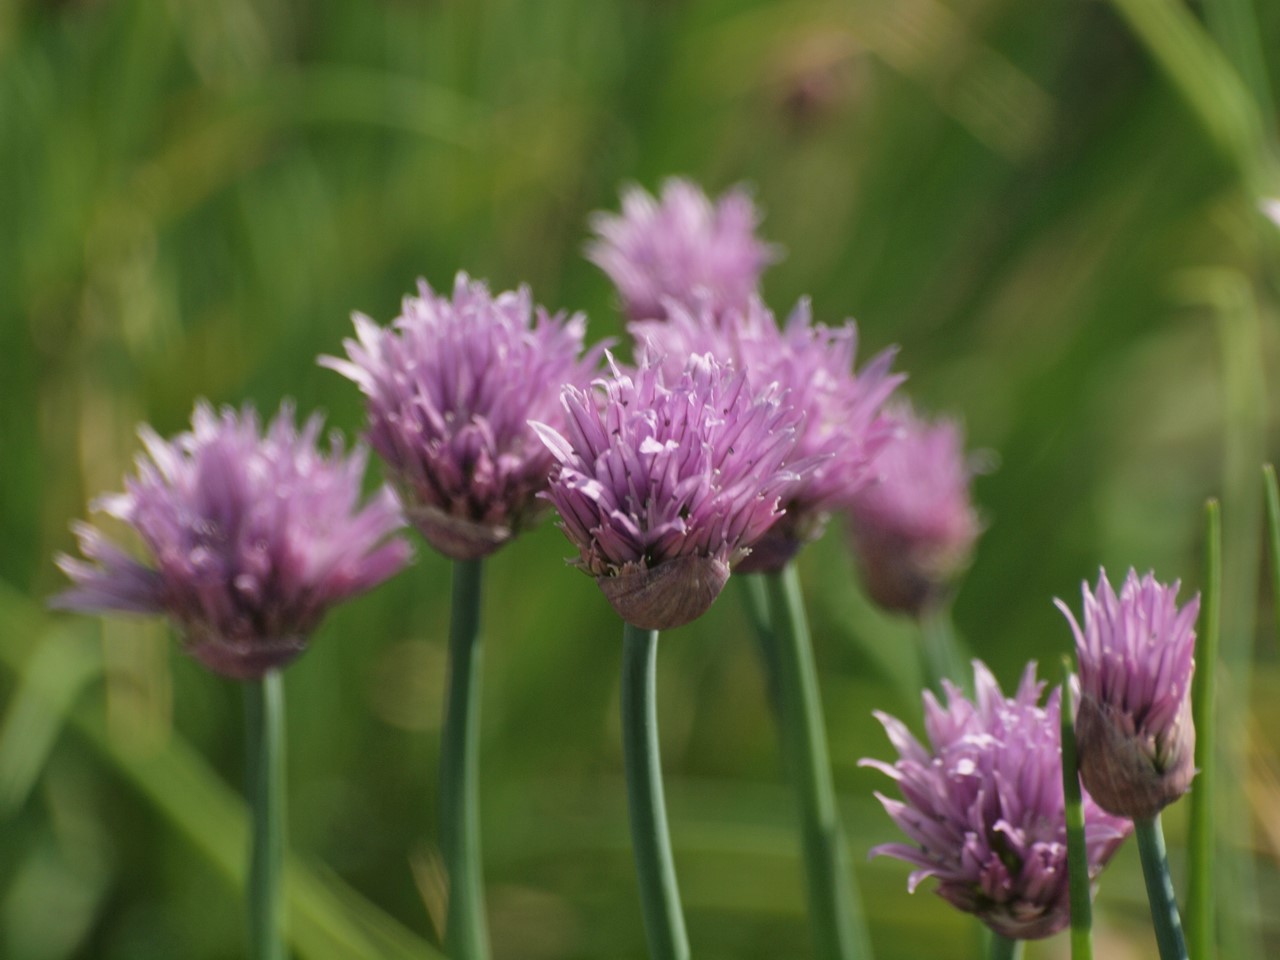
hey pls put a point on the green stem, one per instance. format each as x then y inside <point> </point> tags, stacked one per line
<point>650,840</point>
<point>1273,534</point>
<point>264,726</point>
<point>1155,870</point>
<point>466,934</point>
<point>835,910</point>
<point>755,604</point>
<point>940,652</point>
<point>1234,24</point>
<point>1077,851</point>
<point>1003,948</point>
<point>1200,901</point>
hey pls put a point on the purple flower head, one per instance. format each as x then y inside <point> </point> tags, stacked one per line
<point>450,388</point>
<point>680,246</point>
<point>984,807</point>
<point>662,488</point>
<point>842,429</point>
<point>913,527</point>
<point>252,537</point>
<point>1136,740</point>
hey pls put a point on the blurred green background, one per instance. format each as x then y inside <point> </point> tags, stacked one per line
<point>1050,206</point>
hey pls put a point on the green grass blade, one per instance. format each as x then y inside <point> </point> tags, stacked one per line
<point>1206,81</point>
<point>1234,24</point>
<point>1273,534</point>
<point>1200,840</point>
<point>327,920</point>
<point>51,682</point>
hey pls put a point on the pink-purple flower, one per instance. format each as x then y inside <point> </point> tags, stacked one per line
<point>842,428</point>
<point>983,806</point>
<point>252,537</point>
<point>680,246</point>
<point>1134,732</point>
<point>662,485</point>
<point>914,527</point>
<point>450,388</point>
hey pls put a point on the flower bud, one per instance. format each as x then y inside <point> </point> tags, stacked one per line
<point>1134,733</point>
<point>913,529</point>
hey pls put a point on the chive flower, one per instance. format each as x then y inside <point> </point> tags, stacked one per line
<point>450,387</point>
<point>842,427</point>
<point>679,246</point>
<point>253,535</point>
<point>983,806</point>
<point>1134,731</point>
<point>913,528</point>
<point>662,488</point>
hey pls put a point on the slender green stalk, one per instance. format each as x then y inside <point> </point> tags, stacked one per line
<point>466,933</point>
<point>1197,69</point>
<point>1077,851</point>
<point>1234,24</point>
<point>1237,884</point>
<point>264,726</point>
<point>1155,870</point>
<point>835,909</point>
<point>1002,948</point>
<point>650,840</point>
<point>941,654</point>
<point>1200,900</point>
<point>1273,534</point>
<point>755,604</point>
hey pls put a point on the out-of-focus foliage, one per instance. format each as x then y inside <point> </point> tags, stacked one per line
<point>1050,206</point>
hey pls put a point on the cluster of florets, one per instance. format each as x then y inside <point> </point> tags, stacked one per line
<point>252,536</point>
<point>1136,653</point>
<point>842,427</point>
<point>727,444</point>
<point>451,387</point>
<point>666,482</point>
<point>680,247</point>
<point>984,803</point>
<point>914,527</point>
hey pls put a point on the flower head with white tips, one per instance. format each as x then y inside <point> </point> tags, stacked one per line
<point>842,429</point>
<point>663,487</point>
<point>983,806</point>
